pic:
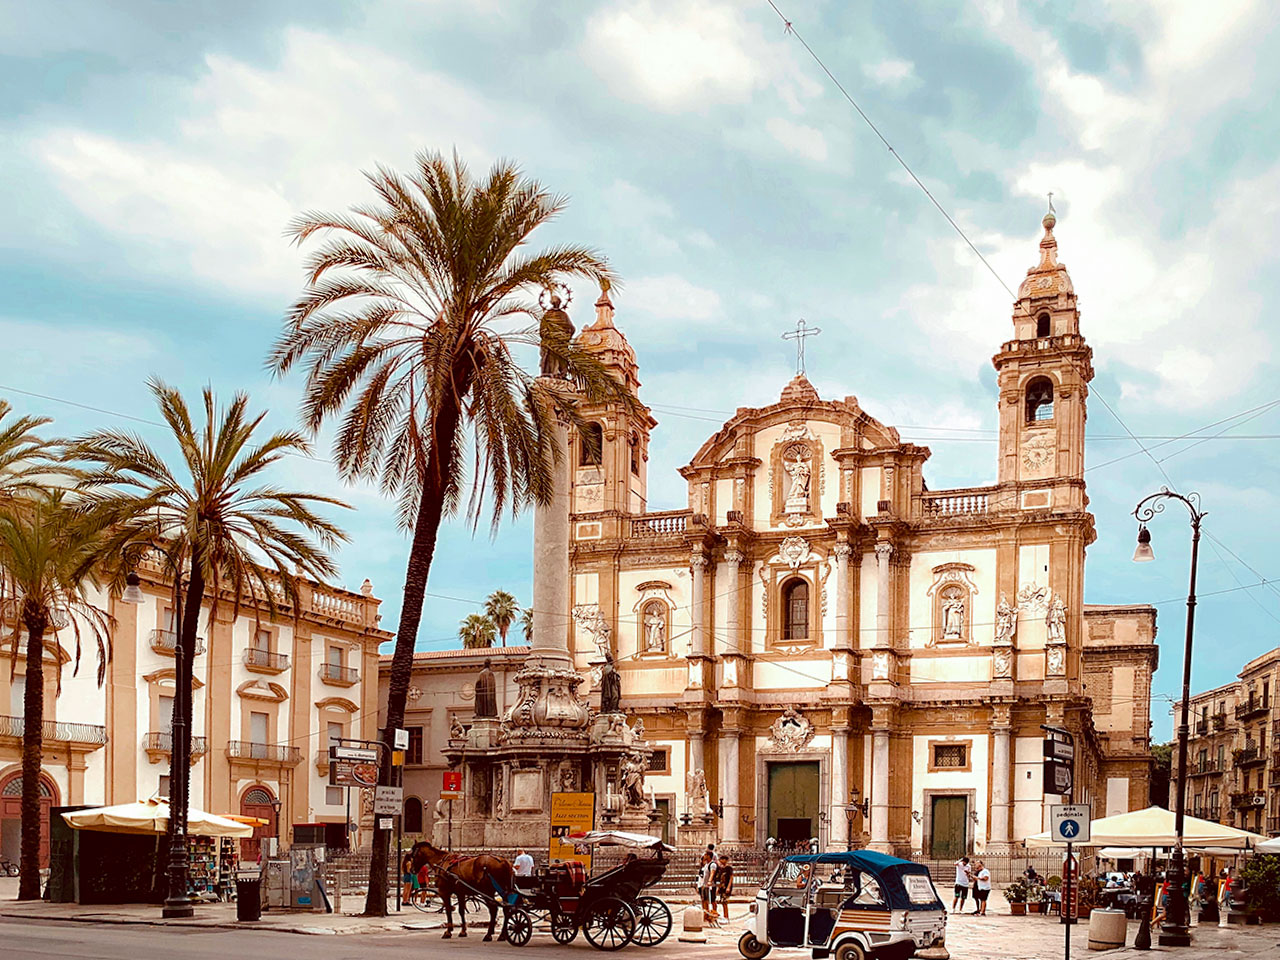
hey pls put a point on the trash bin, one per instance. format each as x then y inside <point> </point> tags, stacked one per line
<point>248,898</point>
<point>1107,929</point>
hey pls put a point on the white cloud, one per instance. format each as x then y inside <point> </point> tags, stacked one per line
<point>890,73</point>
<point>799,139</point>
<point>672,297</point>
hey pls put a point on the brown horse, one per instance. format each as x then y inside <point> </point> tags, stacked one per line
<point>457,877</point>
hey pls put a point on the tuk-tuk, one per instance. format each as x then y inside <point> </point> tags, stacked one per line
<point>856,905</point>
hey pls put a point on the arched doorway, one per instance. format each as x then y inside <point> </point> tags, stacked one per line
<point>412,815</point>
<point>11,817</point>
<point>257,802</point>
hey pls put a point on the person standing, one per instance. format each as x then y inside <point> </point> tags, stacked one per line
<point>706,883</point>
<point>724,884</point>
<point>981,888</point>
<point>523,864</point>
<point>962,885</point>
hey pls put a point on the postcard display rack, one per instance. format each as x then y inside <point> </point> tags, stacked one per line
<point>212,870</point>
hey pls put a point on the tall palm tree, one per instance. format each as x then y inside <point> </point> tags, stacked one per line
<point>526,624</point>
<point>222,529</point>
<point>53,559</point>
<point>476,630</point>
<point>501,608</point>
<point>24,455</point>
<point>406,330</point>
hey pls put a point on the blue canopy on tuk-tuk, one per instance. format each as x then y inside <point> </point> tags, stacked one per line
<point>889,871</point>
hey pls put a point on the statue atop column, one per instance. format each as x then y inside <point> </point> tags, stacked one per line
<point>610,686</point>
<point>486,693</point>
<point>555,331</point>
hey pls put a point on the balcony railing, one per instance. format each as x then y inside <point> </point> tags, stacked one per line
<point>1248,755</point>
<point>1250,707</point>
<point>953,504</point>
<point>336,673</point>
<point>265,661</point>
<point>1219,721</point>
<point>1202,727</point>
<point>275,752</point>
<point>162,743</point>
<point>166,641</point>
<point>1248,799</point>
<point>52,731</point>
<point>660,524</point>
<point>1210,765</point>
<point>1211,813</point>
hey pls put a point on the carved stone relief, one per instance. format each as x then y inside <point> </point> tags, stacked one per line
<point>791,732</point>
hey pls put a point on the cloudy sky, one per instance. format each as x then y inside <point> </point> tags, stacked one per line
<point>152,153</point>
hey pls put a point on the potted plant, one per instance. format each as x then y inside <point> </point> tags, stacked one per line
<point>1016,895</point>
<point>1035,898</point>
<point>1090,891</point>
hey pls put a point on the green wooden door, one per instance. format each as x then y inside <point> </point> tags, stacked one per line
<point>947,830</point>
<point>793,801</point>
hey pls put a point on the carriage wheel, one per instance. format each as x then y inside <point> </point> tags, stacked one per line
<point>477,905</point>
<point>563,929</point>
<point>610,924</point>
<point>427,900</point>
<point>653,921</point>
<point>518,927</point>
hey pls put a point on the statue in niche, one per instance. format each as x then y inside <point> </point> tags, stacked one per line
<point>953,615</point>
<point>555,331</point>
<point>1056,620</point>
<point>696,791</point>
<point>1006,622</point>
<point>655,627</point>
<point>796,462</point>
<point>1057,661</point>
<point>486,693</point>
<point>1003,661</point>
<point>631,775</point>
<point>610,686</point>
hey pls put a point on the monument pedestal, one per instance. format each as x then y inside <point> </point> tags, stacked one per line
<point>698,832</point>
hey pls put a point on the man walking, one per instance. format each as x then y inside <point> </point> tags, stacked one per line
<point>981,889</point>
<point>963,879</point>
<point>724,885</point>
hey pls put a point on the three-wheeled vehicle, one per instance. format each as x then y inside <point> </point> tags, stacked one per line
<point>855,905</point>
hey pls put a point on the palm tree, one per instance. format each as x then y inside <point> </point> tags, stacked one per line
<point>221,530</point>
<point>24,456</point>
<point>526,624</point>
<point>52,559</point>
<point>501,608</point>
<point>476,630</point>
<point>406,330</point>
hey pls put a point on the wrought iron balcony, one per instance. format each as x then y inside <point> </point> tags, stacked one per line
<point>1248,755</point>
<point>1202,727</point>
<point>1210,765</point>
<point>265,661</point>
<point>166,641</point>
<point>1251,707</point>
<point>337,674</point>
<point>274,752</point>
<point>51,731</point>
<point>1219,721</point>
<point>1246,799</point>
<point>160,744</point>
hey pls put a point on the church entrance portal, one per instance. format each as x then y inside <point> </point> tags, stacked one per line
<point>949,829</point>
<point>793,802</point>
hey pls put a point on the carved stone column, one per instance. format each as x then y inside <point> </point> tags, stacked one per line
<point>842,552</point>
<point>1001,777</point>
<point>839,787</point>
<point>550,642</point>
<point>733,560</point>
<point>880,789</point>
<point>697,638</point>
<point>729,785</point>
<point>884,550</point>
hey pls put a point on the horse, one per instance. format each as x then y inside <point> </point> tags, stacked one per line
<point>457,876</point>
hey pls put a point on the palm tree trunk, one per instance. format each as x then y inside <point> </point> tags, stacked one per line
<point>422,550</point>
<point>177,904</point>
<point>36,621</point>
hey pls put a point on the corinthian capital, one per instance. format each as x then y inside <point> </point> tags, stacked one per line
<point>884,550</point>
<point>734,557</point>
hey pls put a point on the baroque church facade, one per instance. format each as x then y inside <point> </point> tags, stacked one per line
<point>819,645</point>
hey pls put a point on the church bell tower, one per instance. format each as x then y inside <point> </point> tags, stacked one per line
<point>1043,375</point>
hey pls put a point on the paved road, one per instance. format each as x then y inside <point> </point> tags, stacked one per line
<point>40,940</point>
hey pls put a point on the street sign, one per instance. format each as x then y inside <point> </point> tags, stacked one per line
<point>387,801</point>
<point>352,767</point>
<point>452,782</point>
<point>359,754</point>
<point>450,794</point>
<point>1058,778</point>
<point>401,739</point>
<point>1069,822</point>
<point>397,758</point>
<point>1059,750</point>
<point>386,823</point>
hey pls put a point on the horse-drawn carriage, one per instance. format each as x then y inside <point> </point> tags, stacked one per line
<point>609,907</point>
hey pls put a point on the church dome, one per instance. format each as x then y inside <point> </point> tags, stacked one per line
<point>1048,278</point>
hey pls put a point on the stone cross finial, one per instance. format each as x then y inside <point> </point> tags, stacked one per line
<point>799,334</point>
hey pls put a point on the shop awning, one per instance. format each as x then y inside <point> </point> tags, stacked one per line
<point>152,816</point>
<point>1154,827</point>
<point>1269,846</point>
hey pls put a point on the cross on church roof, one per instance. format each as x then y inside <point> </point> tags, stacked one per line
<point>799,334</point>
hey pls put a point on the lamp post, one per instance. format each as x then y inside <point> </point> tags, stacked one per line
<point>1175,931</point>
<point>851,811</point>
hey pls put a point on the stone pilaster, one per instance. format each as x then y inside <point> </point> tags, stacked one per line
<point>839,787</point>
<point>1001,777</point>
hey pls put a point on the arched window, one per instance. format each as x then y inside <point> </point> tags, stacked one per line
<point>635,455</point>
<point>591,445</point>
<point>795,610</point>
<point>1040,399</point>
<point>1042,325</point>
<point>412,815</point>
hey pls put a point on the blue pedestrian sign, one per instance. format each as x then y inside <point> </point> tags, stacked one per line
<point>1069,822</point>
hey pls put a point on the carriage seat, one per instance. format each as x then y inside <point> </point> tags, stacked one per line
<point>569,878</point>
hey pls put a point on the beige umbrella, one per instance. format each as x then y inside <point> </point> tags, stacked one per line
<point>1154,827</point>
<point>152,816</point>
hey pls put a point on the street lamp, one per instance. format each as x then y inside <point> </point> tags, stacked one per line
<point>132,589</point>
<point>852,810</point>
<point>1175,932</point>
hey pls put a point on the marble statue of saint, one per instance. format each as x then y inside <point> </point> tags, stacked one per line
<point>1056,620</point>
<point>1005,621</point>
<point>953,617</point>
<point>555,330</point>
<point>610,686</point>
<point>486,693</point>
<point>456,730</point>
<point>632,781</point>
<point>696,788</point>
<point>655,626</point>
<point>1057,661</point>
<point>1003,661</point>
<point>798,470</point>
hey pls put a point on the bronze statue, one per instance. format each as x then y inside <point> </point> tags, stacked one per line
<point>486,693</point>
<point>610,686</point>
<point>555,330</point>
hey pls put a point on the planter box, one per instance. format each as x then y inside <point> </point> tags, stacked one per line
<point>1018,909</point>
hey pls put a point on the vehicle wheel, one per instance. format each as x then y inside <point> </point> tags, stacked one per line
<point>610,924</point>
<point>477,907</point>
<point>563,929</point>
<point>426,900</point>
<point>751,948</point>
<point>653,921</point>
<point>518,927</point>
<point>850,951</point>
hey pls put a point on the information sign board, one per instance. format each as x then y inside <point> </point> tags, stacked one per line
<point>1069,822</point>
<point>388,801</point>
<point>571,813</point>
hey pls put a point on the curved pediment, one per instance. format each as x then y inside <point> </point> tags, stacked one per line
<point>262,690</point>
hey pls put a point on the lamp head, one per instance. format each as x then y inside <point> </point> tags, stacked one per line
<point>132,589</point>
<point>1143,552</point>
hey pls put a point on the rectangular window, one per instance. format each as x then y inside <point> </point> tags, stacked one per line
<point>164,709</point>
<point>950,755</point>
<point>262,640</point>
<point>333,796</point>
<point>414,753</point>
<point>1266,694</point>
<point>335,656</point>
<point>167,617</point>
<point>336,734</point>
<point>163,789</point>
<point>18,696</point>
<point>658,760</point>
<point>258,726</point>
